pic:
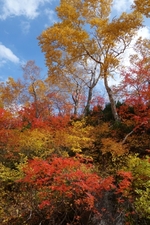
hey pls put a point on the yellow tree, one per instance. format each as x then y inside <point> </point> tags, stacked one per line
<point>33,84</point>
<point>66,91</point>
<point>29,90</point>
<point>10,93</point>
<point>86,33</point>
<point>142,6</point>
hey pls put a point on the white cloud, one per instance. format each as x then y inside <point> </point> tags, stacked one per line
<point>143,33</point>
<point>122,5</point>
<point>51,16</point>
<point>25,26</point>
<point>7,55</point>
<point>27,8</point>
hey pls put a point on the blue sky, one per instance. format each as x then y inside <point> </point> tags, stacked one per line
<point>21,22</point>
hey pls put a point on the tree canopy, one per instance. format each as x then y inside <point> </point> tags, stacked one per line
<point>69,154</point>
<point>86,34</point>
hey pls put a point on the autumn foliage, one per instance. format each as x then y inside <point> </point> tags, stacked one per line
<point>68,156</point>
<point>65,189</point>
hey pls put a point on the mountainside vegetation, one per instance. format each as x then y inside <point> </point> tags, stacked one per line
<point>70,155</point>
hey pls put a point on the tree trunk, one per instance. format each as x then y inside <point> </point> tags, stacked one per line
<point>87,107</point>
<point>35,101</point>
<point>111,99</point>
<point>76,99</point>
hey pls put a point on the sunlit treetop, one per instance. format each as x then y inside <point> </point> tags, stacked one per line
<point>142,6</point>
<point>86,34</point>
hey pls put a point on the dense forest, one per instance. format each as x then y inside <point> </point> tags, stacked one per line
<point>70,155</point>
